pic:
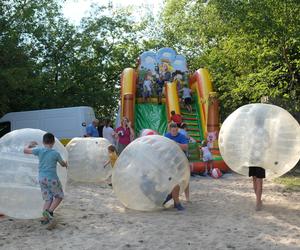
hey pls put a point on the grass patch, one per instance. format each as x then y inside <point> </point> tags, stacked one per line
<point>290,181</point>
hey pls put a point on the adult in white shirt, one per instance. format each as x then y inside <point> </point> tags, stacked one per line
<point>108,132</point>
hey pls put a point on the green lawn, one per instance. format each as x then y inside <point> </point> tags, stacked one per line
<point>291,181</point>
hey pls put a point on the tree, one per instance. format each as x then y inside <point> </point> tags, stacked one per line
<point>50,63</point>
<point>250,47</point>
<point>22,24</point>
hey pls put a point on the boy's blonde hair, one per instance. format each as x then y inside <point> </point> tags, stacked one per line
<point>112,148</point>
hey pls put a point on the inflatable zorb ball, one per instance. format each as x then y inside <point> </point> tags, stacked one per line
<point>87,157</point>
<point>147,171</point>
<point>148,131</point>
<point>261,135</point>
<point>20,193</point>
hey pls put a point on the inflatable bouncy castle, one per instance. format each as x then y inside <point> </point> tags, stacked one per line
<point>151,91</point>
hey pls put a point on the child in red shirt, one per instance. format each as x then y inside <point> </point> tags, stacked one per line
<point>176,118</point>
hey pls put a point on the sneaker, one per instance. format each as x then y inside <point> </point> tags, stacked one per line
<point>47,214</point>
<point>179,207</point>
<point>205,174</point>
<point>169,197</point>
<point>45,222</point>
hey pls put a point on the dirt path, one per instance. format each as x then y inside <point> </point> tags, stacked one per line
<point>221,216</point>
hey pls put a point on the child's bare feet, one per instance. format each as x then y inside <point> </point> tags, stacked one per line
<point>258,206</point>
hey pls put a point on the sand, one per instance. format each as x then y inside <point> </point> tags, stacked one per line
<point>220,216</point>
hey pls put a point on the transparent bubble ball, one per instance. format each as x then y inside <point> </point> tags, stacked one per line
<point>262,135</point>
<point>20,193</point>
<point>147,171</point>
<point>87,157</point>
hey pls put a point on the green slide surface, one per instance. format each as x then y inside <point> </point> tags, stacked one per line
<point>199,121</point>
<point>151,116</point>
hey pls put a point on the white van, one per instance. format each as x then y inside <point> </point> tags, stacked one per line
<point>64,123</point>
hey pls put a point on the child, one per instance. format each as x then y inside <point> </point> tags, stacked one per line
<point>112,153</point>
<point>207,157</point>
<point>176,118</point>
<point>186,96</point>
<point>177,79</point>
<point>147,89</point>
<point>258,174</point>
<point>51,187</point>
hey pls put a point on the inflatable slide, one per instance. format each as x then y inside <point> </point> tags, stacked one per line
<point>166,73</point>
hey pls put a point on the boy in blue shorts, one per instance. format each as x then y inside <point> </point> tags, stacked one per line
<point>51,187</point>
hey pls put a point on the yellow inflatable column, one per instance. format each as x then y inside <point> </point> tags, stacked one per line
<point>201,83</point>
<point>172,99</point>
<point>206,87</point>
<point>128,89</point>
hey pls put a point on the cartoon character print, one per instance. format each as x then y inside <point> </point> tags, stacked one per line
<point>166,71</point>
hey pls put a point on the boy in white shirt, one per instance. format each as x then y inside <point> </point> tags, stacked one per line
<point>186,96</point>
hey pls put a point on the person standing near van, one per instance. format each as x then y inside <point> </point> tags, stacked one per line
<point>91,129</point>
<point>124,134</point>
<point>100,128</point>
<point>108,132</point>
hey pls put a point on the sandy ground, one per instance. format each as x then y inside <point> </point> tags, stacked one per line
<point>221,216</point>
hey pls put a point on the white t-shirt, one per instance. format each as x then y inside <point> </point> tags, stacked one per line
<point>147,85</point>
<point>108,134</point>
<point>206,151</point>
<point>186,93</point>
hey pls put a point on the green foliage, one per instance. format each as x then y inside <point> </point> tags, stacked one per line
<point>46,62</point>
<point>291,181</point>
<point>250,47</point>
